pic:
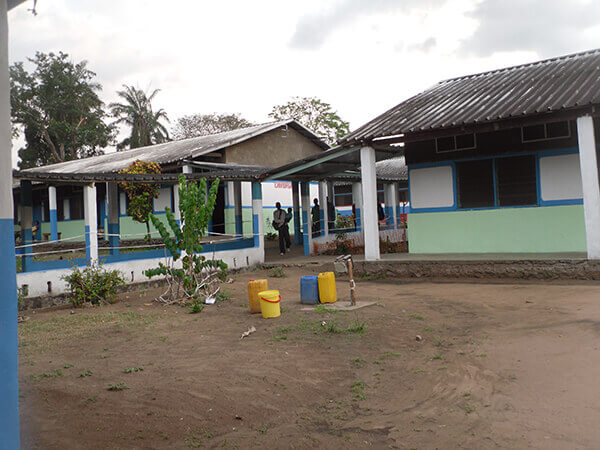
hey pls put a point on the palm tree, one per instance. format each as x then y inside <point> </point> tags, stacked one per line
<point>137,113</point>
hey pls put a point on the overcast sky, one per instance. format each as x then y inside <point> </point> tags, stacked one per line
<point>240,56</point>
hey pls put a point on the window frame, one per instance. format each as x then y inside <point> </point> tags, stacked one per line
<point>455,149</point>
<point>546,138</point>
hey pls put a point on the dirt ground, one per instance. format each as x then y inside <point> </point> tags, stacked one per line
<point>499,365</point>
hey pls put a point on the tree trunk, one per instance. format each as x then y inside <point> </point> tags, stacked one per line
<point>148,231</point>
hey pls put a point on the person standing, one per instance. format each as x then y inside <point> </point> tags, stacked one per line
<point>280,225</point>
<point>316,218</point>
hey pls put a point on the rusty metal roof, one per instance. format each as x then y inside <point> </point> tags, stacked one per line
<point>564,83</point>
<point>171,152</point>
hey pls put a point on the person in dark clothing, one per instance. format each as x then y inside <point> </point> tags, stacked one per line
<point>380,213</point>
<point>282,228</point>
<point>316,218</point>
<point>331,213</point>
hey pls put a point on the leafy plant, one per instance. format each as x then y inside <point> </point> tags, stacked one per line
<point>85,373</point>
<point>133,369</point>
<point>195,307</point>
<point>140,196</point>
<point>93,284</point>
<point>117,387</point>
<point>198,277</point>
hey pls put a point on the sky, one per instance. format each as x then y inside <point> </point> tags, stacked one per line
<point>238,56</point>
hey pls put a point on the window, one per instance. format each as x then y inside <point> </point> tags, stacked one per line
<point>516,181</point>
<point>76,207</point>
<point>343,195</point>
<point>475,184</point>
<point>455,143</point>
<point>546,131</point>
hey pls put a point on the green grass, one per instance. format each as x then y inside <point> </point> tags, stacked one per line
<point>117,387</point>
<point>223,295</point>
<point>332,327</point>
<point>357,327</point>
<point>133,369</point>
<point>46,375</point>
<point>85,373</point>
<point>416,316</point>
<point>358,388</point>
<point>387,355</point>
<point>277,272</point>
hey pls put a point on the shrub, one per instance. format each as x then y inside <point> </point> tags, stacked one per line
<point>93,284</point>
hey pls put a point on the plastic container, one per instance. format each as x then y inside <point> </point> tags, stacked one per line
<point>269,303</point>
<point>327,291</point>
<point>309,290</point>
<point>254,287</point>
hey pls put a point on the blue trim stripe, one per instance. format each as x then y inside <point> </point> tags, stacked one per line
<point>113,241</point>
<point>88,253</point>
<point>305,235</point>
<point>256,229</point>
<point>9,381</point>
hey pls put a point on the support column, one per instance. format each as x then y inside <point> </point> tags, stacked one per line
<point>369,192</point>
<point>53,213</point>
<point>324,215</point>
<point>91,222</point>
<point>589,181</point>
<point>237,205</point>
<point>176,211</point>
<point>26,223</point>
<point>9,383</point>
<point>297,217</point>
<point>390,195</point>
<point>258,221</point>
<point>114,229</point>
<point>306,217</point>
<point>357,201</point>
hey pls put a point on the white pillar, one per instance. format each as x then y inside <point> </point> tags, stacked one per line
<point>91,222</point>
<point>9,384</point>
<point>369,194</point>
<point>390,194</point>
<point>357,201</point>
<point>176,212</point>
<point>589,180</point>
<point>187,169</point>
<point>296,209</point>
<point>258,221</point>
<point>306,217</point>
<point>324,215</point>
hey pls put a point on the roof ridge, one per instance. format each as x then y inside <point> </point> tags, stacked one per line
<point>519,66</point>
<point>229,131</point>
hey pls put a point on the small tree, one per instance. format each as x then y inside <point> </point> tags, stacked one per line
<point>197,278</point>
<point>141,196</point>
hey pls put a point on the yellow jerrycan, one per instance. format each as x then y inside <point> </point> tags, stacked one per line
<point>254,287</point>
<point>327,291</point>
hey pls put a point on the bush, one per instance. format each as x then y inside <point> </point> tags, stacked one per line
<point>93,284</point>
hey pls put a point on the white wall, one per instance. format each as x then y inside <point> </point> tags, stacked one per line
<point>560,177</point>
<point>163,200</point>
<point>133,271</point>
<point>431,187</point>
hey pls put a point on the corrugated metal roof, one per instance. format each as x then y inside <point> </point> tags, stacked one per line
<point>393,169</point>
<point>557,84</point>
<point>171,152</point>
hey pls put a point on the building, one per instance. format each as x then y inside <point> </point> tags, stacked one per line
<point>502,161</point>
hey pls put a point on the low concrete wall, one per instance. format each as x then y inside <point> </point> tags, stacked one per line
<point>133,271</point>
<point>320,244</point>
<point>500,270</point>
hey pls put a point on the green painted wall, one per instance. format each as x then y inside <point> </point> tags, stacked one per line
<point>507,230</point>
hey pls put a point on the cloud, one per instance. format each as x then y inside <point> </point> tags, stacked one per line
<point>424,46</point>
<point>313,29</point>
<point>546,27</point>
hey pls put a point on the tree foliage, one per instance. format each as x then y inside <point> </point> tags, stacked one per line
<point>315,115</point>
<point>136,112</point>
<point>141,196</point>
<point>196,279</point>
<point>203,124</point>
<point>57,108</point>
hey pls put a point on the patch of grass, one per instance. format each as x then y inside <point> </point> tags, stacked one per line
<point>223,295</point>
<point>323,309</point>
<point>194,441</point>
<point>357,327</point>
<point>358,388</point>
<point>370,276</point>
<point>420,371</point>
<point>47,333</point>
<point>332,327</point>
<point>46,375</point>
<point>467,394</point>
<point>195,307</point>
<point>85,373</point>
<point>468,409</point>
<point>387,355</point>
<point>263,429</point>
<point>277,272</point>
<point>358,362</point>
<point>416,316</point>
<point>117,387</point>
<point>438,356</point>
<point>133,369</point>
<point>67,366</point>
<point>481,355</point>
<point>429,329</point>
<point>90,400</point>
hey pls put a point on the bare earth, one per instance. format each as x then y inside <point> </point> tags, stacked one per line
<point>499,365</point>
